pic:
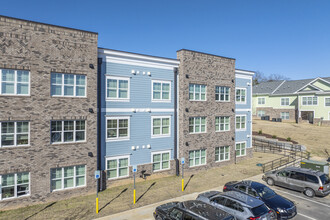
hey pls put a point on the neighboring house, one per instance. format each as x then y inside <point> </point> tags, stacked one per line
<point>294,100</point>
<point>48,113</point>
<point>137,118</point>
<point>243,110</point>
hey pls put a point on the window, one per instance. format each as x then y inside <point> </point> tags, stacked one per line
<point>14,133</point>
<point>14,82</point>
<point>118,128</point>
<point>261,100</point>
<point>220,200</point>
<point>68,131</point>
<point>260,113</point>
<point>14,185</point>
<point>283,173</point>
<point>176,214</point>
<point>69,85</point>
<point>68,177</point>
<point>297,176</point>
<point>161,160</point>
<point>161,91</point>
<point>197,92</point>
<point>285,115</point>
<point>240,122</point>
<point>222,153</point>
<point>252,192</point>
<point>240,96</point>
<point>222,123</point>
<point>222,93</point>
<point>117,167</point>
<point>161,126</point>
<point>241,188</point>
<point>311,178</point>
<point>309,100</point>
<point>285,101</point>
<point>234,205</point>
<point>327,101</point>
<point>117,88</point>
<point>197,157</point>
<point>240,149</point>
<point>197,125</point>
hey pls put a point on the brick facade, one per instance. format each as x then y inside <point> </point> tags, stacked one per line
<point>43,49</point>
<point>276,113</point>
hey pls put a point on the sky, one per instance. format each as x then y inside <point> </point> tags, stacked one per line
<point>286,37</point>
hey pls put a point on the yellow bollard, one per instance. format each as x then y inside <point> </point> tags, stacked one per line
<point>97,205</point>
<point>134,197</point>
<point>182,185</point>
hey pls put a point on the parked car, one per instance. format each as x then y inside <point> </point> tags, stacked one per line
<point>190,210</point>
<point>282,208</point>
<point>311,182</point>
<point>240,205</point>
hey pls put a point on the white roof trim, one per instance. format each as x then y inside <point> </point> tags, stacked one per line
<point>250,73</point>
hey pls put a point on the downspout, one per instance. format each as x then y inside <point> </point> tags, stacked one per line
<point>99,112</point>
<point>177,164</point>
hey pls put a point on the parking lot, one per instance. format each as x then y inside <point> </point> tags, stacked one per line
<point>317,208</point>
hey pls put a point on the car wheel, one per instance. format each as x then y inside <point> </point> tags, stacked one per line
<point>309,192</point>
<point>270,181</point>
<point>273,214</point>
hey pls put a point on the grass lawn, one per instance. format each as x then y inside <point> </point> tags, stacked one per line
<point>314,137</point>
<point>120,198</point>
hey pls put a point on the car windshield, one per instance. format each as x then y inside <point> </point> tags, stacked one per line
<point>265,192</point>
<point>259,211</point>
<point>325,179</point>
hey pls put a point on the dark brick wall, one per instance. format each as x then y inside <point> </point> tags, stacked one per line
<point>43,49</point>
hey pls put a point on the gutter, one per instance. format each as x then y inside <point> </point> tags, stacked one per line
<point>177,164</point>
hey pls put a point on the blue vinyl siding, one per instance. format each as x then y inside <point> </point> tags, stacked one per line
<point>242,83</point>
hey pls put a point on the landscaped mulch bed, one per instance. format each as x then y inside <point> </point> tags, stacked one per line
<point>271,136</point>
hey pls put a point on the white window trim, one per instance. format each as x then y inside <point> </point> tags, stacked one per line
<point>199,158</point>
<point>285,98</point>
<point>15,84</point>
<point>118,158</point>
<point>200,93</point>
<point>15,135</point>
<point>285,117</point>
<point>118,99</point>
<point>152,128</point>
<point>118,138</point>
<point>74,179</point>
<point>325,102</point>
<point>262,114</point>
<point>224,95</point>
<point>224,160</point>
<point>62,132</point>
<point>161,93</point>
<point>261,98</point>
<point>74,86</point>
<point>15,187</point>
<point>241,149</point>
<point>240,129</point>
<point>240,102</point>
<point>317,100</point>
<point>161,152</point>
<point>199,126</point>
<point>224,124</point>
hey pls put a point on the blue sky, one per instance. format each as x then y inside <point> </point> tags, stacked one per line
<point>287,37</point>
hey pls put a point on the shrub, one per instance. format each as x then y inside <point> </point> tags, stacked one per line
<point>260,132</point>
<point>274,136</point>
<point>288,139</point>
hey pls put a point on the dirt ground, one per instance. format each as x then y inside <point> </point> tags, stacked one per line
<point>120,198</point>
<point>315,138</point>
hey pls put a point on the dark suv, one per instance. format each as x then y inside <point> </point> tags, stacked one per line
<point>311,182</point>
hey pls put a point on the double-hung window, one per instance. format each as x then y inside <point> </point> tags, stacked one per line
<point>197,92</point>
<point>68,85</point>
<point>14,185</point>
<point>327,101</point>
<point>240,122</point>
<point>240,96</point>
<point>261,113</point>
<point>161,126</point>
<point>118,88</point>
<point>68,177</point>
<point>161,91</point>
<point>161,160</point>
<point>285,101</point>
<point>222,123</point>
<point>68,131</point>
<point>240,149</point>
<point>309,100</point>
<point>14,133</point>
<point>222,93</point>
<point>14,82</point>
<point>118,128</point>
<point>197,157</point>
<point>117,167</point>
<point>197,125</point>
<point>261,100</point>
<point>285,115</point>
<point>222,153</point>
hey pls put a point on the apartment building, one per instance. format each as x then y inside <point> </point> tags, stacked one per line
<point>48,113</point>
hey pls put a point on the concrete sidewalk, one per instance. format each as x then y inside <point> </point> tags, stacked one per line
<point>146,212</point>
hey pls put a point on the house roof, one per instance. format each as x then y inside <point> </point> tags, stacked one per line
<point>266,87</point>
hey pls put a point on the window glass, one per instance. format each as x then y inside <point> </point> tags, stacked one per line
<point>260,210</point>
<point>68,85</point>
<point>161,91</point>
<point>297,176</point>
<point>234,205</point>
<point>14,185</point>
<point>197,92</point>
<point>222,93</point>
<point>197,157</point>
<point>242,188</point>
<point>311,178</point>
<point>117,167</point>
<point>68,131</point>
<point>68,177</point>
<point>252,192</point>
<point>117,128</point>
<point>220,200</point>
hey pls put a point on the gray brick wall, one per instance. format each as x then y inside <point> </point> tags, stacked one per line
<point>276,113</point>
<point>43,49</point>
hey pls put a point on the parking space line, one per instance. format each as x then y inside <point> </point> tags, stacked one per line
<point>306,216</point>
<point>305,198</point>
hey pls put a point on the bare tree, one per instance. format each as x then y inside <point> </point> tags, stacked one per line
<point>260,77</point>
